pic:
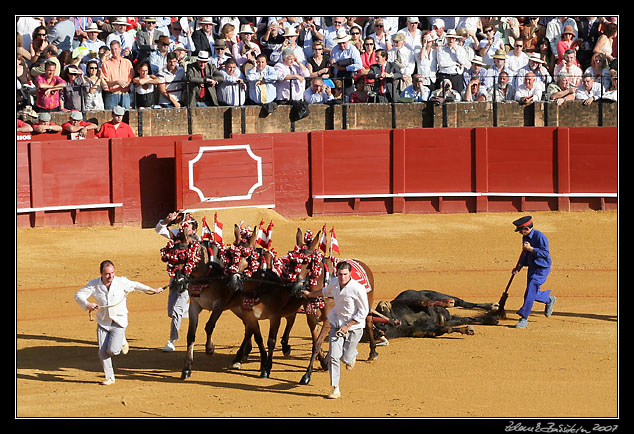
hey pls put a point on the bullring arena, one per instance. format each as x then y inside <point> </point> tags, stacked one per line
<point>565,366</point>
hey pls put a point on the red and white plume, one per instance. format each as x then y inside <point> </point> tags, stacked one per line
<point>206,234</point>
<point>334,244</point>
<point>265,237</point>
<point>217,229</point>
<point>323,241</point>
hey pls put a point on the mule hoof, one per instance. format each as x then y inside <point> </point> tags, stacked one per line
<point>236,365</point>
<point>186,374</point>
<point>286,349</point>
<point>305,380</point>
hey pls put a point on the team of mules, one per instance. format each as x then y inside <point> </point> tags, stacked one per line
<point>255,285</point>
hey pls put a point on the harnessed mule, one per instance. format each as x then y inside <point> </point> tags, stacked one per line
<point>273,298</point>
<point>210,290</point>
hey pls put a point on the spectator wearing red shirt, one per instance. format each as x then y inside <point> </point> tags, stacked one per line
<point>116,127</point>
<point>44,124</point>
<point>76,124</point>
<point>23,127</point>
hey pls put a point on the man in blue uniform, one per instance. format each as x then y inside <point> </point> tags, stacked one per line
<point>536,255</point>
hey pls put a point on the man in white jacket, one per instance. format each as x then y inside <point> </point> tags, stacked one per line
<point>109,292</point>
<point>347,321</point>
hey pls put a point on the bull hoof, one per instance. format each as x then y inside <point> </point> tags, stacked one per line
<point>186,374</point>
<point>470,331</point>
<point>264,374</point>
<point>236,365</point>
<point>495,307</point>
<point>305,380</point>
<point>373,356</point>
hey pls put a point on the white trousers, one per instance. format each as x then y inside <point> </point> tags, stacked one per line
<point>110,342</point>
<point>342,349</point>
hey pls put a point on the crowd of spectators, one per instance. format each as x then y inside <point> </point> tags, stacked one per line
<point>99,63</point>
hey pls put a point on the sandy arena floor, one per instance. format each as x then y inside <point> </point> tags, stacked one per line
<point>565,366</point>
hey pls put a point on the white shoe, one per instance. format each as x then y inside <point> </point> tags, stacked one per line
<point>351,365</point>
<point>169,347</point>
<point>108,381</point>
<point>125,347</point>
<point>335,393</point>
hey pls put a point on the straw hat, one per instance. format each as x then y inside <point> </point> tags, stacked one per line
<point>500,54</point>
<point>342,36</point>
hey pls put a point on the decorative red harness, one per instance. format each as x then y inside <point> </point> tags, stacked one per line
<point>179,258</point>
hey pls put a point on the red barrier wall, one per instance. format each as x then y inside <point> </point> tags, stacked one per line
<point>95,181</point>
<point>139,180</point>
<point>464,170</point>
<point>225,173</point>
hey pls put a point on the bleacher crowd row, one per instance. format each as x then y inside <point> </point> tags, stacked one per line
<point>97,63</point>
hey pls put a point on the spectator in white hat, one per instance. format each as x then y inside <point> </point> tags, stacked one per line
<point>345,60</point>
<point>92,43</point>
<point>245,51</point>
<point>438,27</point>
<point>290,43</point>
<point>203,38</point>
<point>537,66</point>
<point>477,69</point>
<point>452,60</point>
<point>125,38</point>
<point>413,35</point>
<point>203,77</point>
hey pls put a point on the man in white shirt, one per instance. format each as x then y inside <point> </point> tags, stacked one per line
<point>516,59</point>
<point>588,91</point>
<point>347,321</point>
<point>528,92</point>
<point>110,292</point>
<point>452,61</point>
<point>330,33</point>
<point>413,35</point>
